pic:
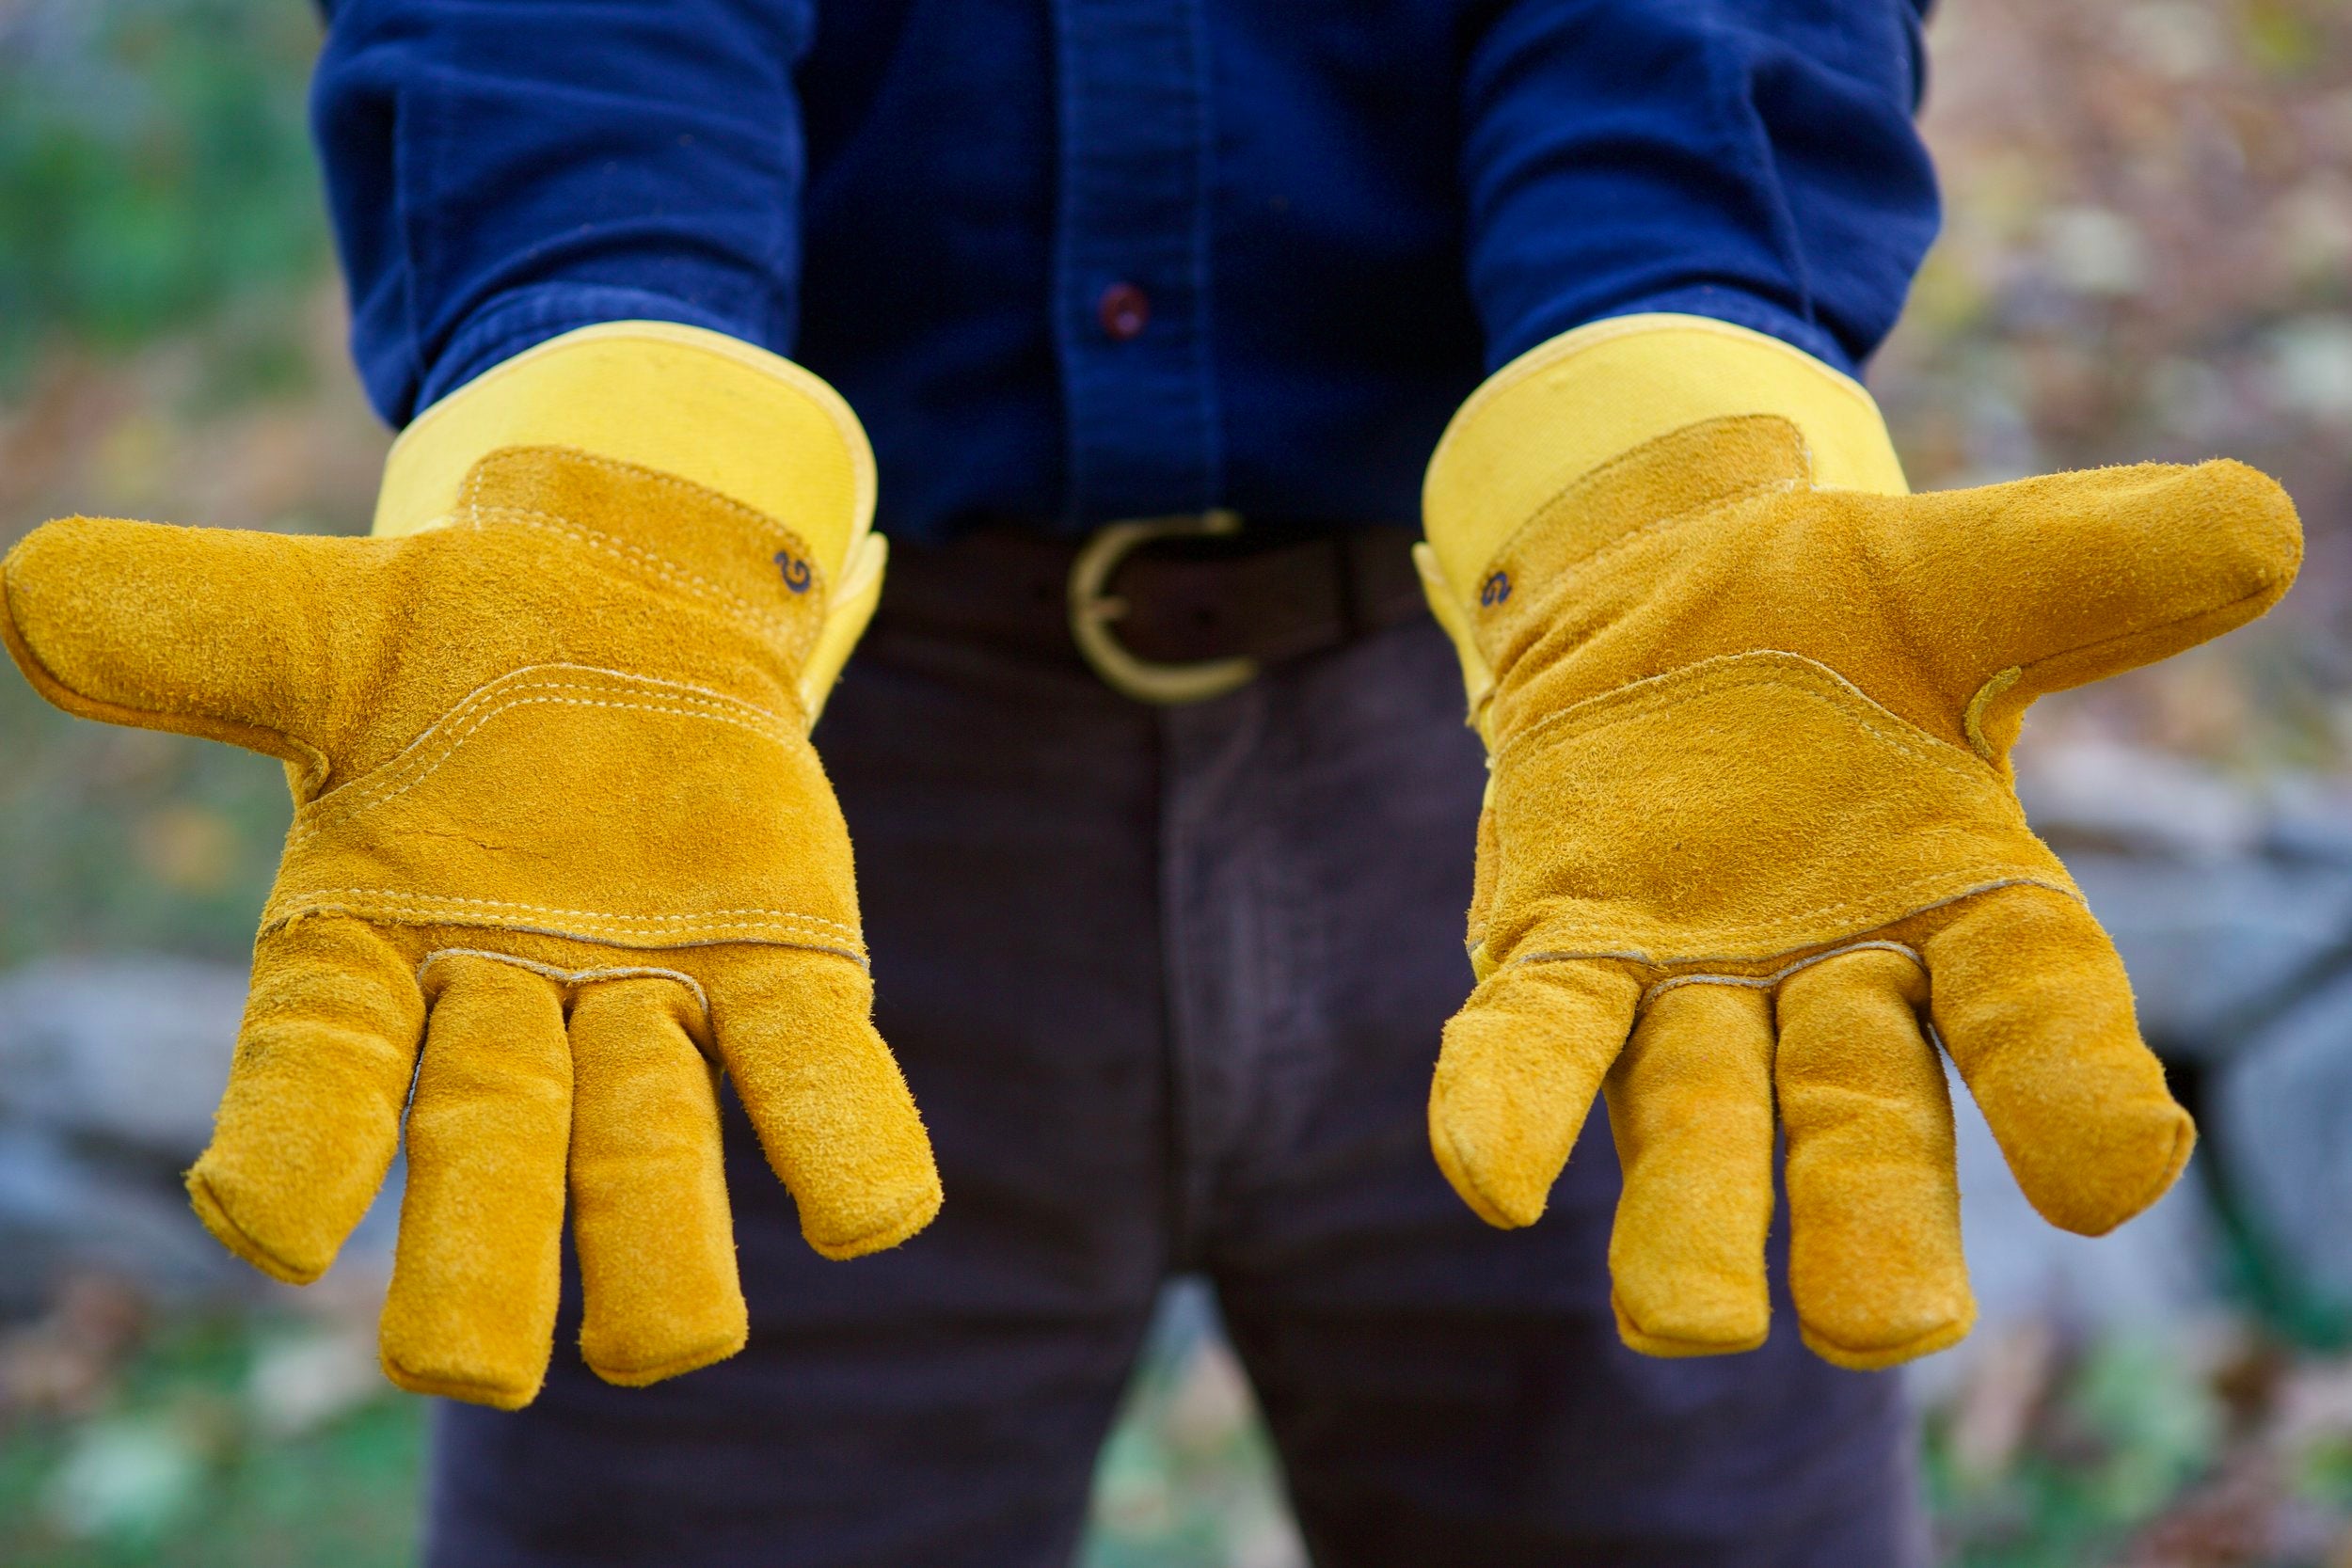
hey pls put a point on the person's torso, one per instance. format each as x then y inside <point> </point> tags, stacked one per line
<point>1078,262</point>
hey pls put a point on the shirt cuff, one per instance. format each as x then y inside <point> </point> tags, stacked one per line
<point>524,319</point>
<point>1736,306</point>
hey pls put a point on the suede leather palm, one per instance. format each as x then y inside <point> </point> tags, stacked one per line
<point>1752,835</point>
<point>560,844</point>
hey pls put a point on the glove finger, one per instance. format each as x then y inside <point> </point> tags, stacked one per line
<point>310,1118</point>
<point>649,1196</point>
<point>1691,1109</point>
<point>1517,1074</point>
<point>2032,1001</point>
<point>1874,1258</point>
<point>471,1310</point>
<point>831,1109</point>
<point>225,633</point>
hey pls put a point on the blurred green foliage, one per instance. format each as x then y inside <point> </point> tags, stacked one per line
<point>185,1467</point>
<point>154,166</point>
<point>2117,1435</point>
<point>1190,1477</point>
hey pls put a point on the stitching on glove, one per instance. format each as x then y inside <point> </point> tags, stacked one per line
<point>457,744</point>
<point>775,527</point>
<point>1766,982</point>
<point>765,622</point>
<point>585,914</point>
<point>1732,671</point>
<point>574,976</point>
<point>781,929</point>
<point>376,786</point>
<point>1553,955</point>
<point>1534,614</point>
<point>2144,634</point>
<point>1559,504</point>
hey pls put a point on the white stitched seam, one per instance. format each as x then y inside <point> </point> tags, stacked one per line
<point>575,977</point>
<point>458,743</point>
<point>1568,571</point>
<point>774,527</point>
<point>526,675</point>
<point>423,900</point>
<point>1548,955</point>
<point>666,943</point>
<point>1766,982</point>
<point>763,620</point>
<point>330,806</point>
<point>848,955</point>
<point>1637,699</point>
<point>1839,907</point>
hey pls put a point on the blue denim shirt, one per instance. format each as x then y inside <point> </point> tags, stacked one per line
<point>1076,260</point>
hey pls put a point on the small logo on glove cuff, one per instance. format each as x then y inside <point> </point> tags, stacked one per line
<point>796,572</point>
<point>1495,590</point>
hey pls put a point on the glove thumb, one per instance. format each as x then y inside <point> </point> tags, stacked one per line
<point>2052,583</point>
<point>223,633</point>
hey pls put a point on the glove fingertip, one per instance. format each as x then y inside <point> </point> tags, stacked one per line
<point>842,1243</point>
<point>497,1395</point>
<point>1726,1337</point>
<point>1505,1209</point>
<point>1518,1071</point>
<point>2271,530</point>
<point>692,1359</point>
<point>213,1210</point>
<point>2138,1159</point>
<point>1876,1357</point>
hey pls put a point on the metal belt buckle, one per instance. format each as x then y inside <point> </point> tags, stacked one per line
<point>1092,610</point>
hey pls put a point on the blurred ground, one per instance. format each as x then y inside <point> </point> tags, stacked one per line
<point>2148,255</point>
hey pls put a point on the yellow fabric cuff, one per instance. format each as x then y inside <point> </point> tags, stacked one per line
<point>742,421</point>
<point>1571,404</point>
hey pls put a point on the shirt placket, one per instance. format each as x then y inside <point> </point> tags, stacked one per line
<point>1131,277</point>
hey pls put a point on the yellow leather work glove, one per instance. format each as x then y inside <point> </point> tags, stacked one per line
<point>1751,842</point>
<point>560,845</point>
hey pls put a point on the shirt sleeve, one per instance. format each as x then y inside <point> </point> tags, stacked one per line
<point>1754,161</point>
<point>502,171</point>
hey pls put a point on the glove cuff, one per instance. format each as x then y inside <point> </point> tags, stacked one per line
<point>734,418</point>
<point>1571,404</point>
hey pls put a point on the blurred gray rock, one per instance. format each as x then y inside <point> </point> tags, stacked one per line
<point>131,1049</point>
<point>2227,903</point>
<point>63,1212</point>
<point>2217,947</point>
<point>109,1073</point>
<point>2281,1122</point>
<point>2137,801</point>
<point>2232,910</point>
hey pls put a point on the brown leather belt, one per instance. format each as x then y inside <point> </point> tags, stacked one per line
<point>1165,610</point>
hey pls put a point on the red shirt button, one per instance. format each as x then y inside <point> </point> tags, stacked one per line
<point>1123,309</point>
